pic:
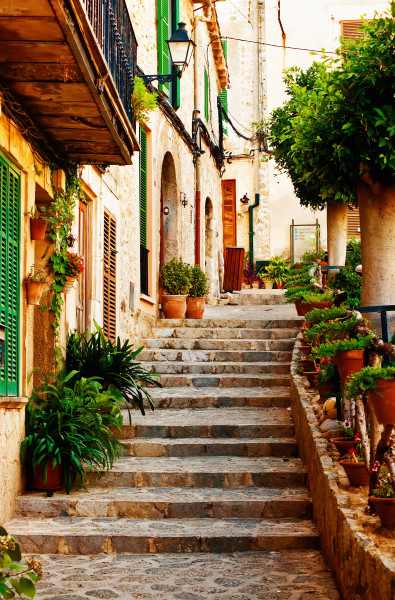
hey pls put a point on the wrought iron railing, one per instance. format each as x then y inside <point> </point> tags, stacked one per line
<point>114,32</point>
<point>144,270</point>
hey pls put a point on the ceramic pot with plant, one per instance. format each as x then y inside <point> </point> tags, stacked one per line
<point>348,355</point>
<point>70,264</point>
<point>256,282</point>
<point>196,299</point>
<point>35,281</point>
<point>379,385</point>
<point>348,439</point>
<point>383,498</point>
<point>38,226</point>
<point>175,278</point>
<point>318,300</point>
<point>355,467</point>
<point>277,271</point>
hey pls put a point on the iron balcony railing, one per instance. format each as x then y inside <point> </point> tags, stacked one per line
<point>114,32</point>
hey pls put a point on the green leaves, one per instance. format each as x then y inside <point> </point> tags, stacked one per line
<point>16,579</point>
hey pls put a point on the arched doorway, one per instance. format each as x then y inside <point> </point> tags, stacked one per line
<point>170,242</point>
<point>209,241</point>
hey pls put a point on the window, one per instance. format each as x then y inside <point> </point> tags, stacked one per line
<point>110,276</point>
<point>168,18</point>
<point>143,214</point>
<point>224,94</point>
<point>206,96</point>
<point>9,274</point>
<point>351,29</point>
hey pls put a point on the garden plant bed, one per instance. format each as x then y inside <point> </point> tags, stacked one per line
<point>359,551</point>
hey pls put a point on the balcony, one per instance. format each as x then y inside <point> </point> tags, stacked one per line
<point>71,64</point>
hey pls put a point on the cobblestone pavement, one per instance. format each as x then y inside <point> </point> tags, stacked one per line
<point>288,575</point>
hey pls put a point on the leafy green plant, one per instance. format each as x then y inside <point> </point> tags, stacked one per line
<point>312,256</point>
<point>199,286</point>
<point>143,102</point>
<point>17,578</point>
<point>366,379</point>
<point>36,276</point>
<point>36,212</point>
<point>72,426</point>
<point>328,350</point>
<point>310,297</point>
<point>298,277</point>
<point>276,270</point>
<point>297,293</point>
<point>114,364</point>
<point>175,277</point>
<point>327,330</point>
<point>317,315</point>
<point>385,487</point>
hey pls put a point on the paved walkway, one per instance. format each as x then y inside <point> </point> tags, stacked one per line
<point>209,500</point>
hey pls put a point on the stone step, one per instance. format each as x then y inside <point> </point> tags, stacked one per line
<point>210,423</point>
<point>230,332</point>
<point>178,398</point>
<point>234,356</point>
<point>139,536</point>
<point>169,503</point>
<point>165,368</point>
<point>234,323</point>
<point>231,344</point>
<point>208,471</point>
<point>210,447</point>
<point>258,297</point>
<point>224,380</point>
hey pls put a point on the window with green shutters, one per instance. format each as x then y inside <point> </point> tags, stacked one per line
<point>9,274</point>
<point>143,188</point>
<point>168,18</point>
<point>206,96</point>
<point>224,94</point>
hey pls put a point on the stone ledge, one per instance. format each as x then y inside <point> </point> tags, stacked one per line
<point>12,402</point>
<point>359,551</point>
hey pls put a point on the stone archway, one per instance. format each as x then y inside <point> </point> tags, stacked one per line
<point>170,242</point>
<point>209,246</point>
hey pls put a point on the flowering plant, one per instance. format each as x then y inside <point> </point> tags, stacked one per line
<point>16,579</point>
<point>74,264</point>
<point>385,488</point>
<point>348,432</point>
<point>355,454</point>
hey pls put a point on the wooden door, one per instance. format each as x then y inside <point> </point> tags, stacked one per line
<point>229,212</point>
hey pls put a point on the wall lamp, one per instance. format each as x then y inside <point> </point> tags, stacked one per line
<point>184,200</point>
<point>180,48</point>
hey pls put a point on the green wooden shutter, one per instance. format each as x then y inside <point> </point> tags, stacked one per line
<point>163,48</point>
<point>143,188</point>
<point>224,94</point>
<point>9,274</point>
<point>206,96</point>
<point>175,86</point>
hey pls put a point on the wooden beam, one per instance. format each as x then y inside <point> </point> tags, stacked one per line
<point>97,159</point>
<point>52,91</point>
<point>41,29</point>
<point>77,135</point>
<point>87,109</point>
<point>71,122</point>
<point>41,72</point>
<point>25,8</point>
<point>16,52</point>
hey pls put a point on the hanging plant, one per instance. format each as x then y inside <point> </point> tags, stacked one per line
<point>143,102</point>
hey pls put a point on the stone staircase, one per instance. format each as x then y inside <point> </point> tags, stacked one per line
<point>213,469</point>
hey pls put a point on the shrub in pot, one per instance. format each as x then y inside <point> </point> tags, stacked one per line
<point>348,355</point>
<point>379,385</point>
<point>355,467</point>
<point>35,281</point>
<point>319,315</point>
<point>38,225</point>
<point>330,331</point>
<point>196,299</point>
<point>318,300</point>
<point>383,498</point>
<point>175,278</point>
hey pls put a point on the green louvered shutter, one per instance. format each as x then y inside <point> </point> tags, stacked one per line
<point>163,48</point>
<point>143,188</point>
<point>9,274</point>
<point>175,86</point>
<point>224,94</point>
<point>206,96</point>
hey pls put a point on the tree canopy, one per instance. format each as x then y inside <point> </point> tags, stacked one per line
<point>339,121</point>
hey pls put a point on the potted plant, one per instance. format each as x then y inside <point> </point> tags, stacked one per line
<point>319,315</point>
<point>330,331</point>
<point>256,282</point>
<point>383,498</point>
<point>355,467</point>
<point>277,270</point>
<point>248,275</point>
<point>38,226</point>
<point>175,278</point>
<point>318,300</point>
<point>348,439</point>
<point>198,291</point>
<point>348,355</point>
<point>325,379</point>
<point>70,265</point>
<point>35,281</point>
<point>379,384</point>
<point>70,430</point>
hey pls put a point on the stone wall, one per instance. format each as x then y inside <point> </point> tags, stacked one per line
<point>359,552</point>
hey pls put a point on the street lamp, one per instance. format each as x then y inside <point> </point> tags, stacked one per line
<point>180,49</point>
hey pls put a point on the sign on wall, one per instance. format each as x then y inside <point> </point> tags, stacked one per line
<point>304,238</point>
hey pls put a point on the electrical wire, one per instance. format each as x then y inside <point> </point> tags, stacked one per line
<point>227,37</point>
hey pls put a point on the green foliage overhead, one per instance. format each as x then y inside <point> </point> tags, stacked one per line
<point>339,121</point>
<point>199,286</point>
<point>366,379</point>
<point>175,277</point>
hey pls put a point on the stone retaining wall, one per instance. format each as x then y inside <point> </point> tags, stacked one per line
<point>359,551</point>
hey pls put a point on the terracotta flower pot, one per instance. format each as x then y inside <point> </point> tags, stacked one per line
<point>305,350</point>
<point>174,307</point>
<point>383,400</point>
<point>34,291</point>
<point>68,286</point>
<point>38,228</point>
<point>310,376</point>
<point>298,306</point>
<point>385,508</point>
<point>305,308</point>
<point>342,445</point>
<point>350,362</point>
<point>356,472</point>
<point>195,308</point>
<point>54,478</point>
<point>280,285</point>
<point>268,285</point>
<point>324,390</point>
<point>256,285</point>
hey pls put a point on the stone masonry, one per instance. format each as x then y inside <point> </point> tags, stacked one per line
<point>209,500</point>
